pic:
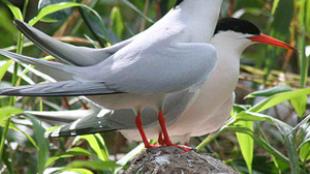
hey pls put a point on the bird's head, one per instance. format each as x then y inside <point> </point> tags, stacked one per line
<point>240,34</point>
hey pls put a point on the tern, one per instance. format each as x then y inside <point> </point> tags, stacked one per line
<point>170,56</point>
<point>186,117</point>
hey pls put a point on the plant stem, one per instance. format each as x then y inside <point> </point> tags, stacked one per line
<point>304,61</point>
<point>19,50</point>
<point>207,141</point>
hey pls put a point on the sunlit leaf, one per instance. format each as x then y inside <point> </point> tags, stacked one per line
<point>97,146</point>
<point>300,105</point>
<point>246,143</point>
<point>4,68</point>
<point>279,98</point>
<point>7,112</point>
<point>117,22</point>
<point>275,6</point>
<point>253,116</point>
<point>15,11</point>
<point>55,16</point>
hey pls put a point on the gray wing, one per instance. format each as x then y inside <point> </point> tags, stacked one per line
<point>125,119</point>
<point>80,56</point>
<point>56,70</point>
<point>158,68</point>
<point>64,116</point>
<point>63,88</point>
<point>143,76</point>
<point>113,120</point>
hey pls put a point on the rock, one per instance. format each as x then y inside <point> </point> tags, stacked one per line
<point>171,160</point>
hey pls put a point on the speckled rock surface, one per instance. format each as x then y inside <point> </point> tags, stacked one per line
<point>170,160</point>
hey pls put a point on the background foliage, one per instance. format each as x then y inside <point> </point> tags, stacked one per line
<point>269,131</point>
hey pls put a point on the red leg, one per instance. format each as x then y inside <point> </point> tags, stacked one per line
<point>161,139</point>
<point>165,134</point>
<point>139,125</point>
<point>164,129</point>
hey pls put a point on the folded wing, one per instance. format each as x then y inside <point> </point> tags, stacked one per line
<point>63,88</point>
<point>80,56</point>
<point>160,68</point>
<point>54,69</point>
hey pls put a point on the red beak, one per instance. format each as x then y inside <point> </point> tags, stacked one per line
<point>265,39</point>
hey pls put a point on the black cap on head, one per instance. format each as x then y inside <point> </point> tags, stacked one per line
<point>178,2</point>
<point>237,25</point>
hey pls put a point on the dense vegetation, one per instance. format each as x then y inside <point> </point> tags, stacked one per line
<point>269,131</point>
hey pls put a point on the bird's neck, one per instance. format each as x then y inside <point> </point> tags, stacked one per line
<point>233,45</point>
<point>201,16</point>
<point>229,51</point>
<point>227,68</point>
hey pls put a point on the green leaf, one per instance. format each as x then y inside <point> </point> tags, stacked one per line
<point>58,15</point>
<point>302,130</point>
<point>284,129</point>
<point>42,142</point>
<point>246,143</point>
<point>5,114</point>
<point>304,153</point>
<point>7,162</point>
<point>301,40</point>
<point>94,165</point>
<point>8,112</point>
<point>97,144</point>
<point>31,140</point>
<point>130,156</point>
<point>134,8</point>
<point>275,6</point>
<point>308,16</point>
<point>55,8</point>
<point>269,92</point>
<point>292,153</point>
<point>278,98</point>
<point>15,11</point>
<point>258,140</point>
<point>76,151</point>
<point>281,25</point>
<point>277,156</point>
<point>253,116</point>
<point>103,145</point>
<point>44,3</point>
<point>300,105</point>
<point>77,171</point>
<point>4,68</point>
<point>117,22</point>
<point>97,27</point>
